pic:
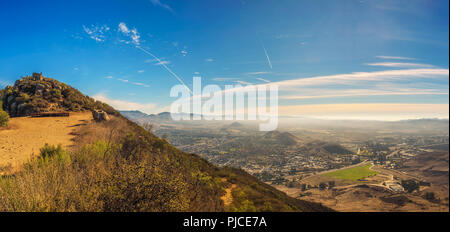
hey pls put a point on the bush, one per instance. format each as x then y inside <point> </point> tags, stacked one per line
<point>4,118</point>
<point>51,152</point>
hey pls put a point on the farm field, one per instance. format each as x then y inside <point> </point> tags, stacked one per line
<point>353,174</point>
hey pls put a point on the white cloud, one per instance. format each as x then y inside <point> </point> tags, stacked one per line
<point>395,58</point>
<point>243,82</point>
<point>257,73</point>
<point>224,78</point>
<point>4,83</point>
<point>184,52</point>
<point>141,71</point>
<point>141,84</point>
<point>109,77</point>
<point>209,60</point>
<point>125,105</point>
<point>363,92</point>
<point>400,65</point>
<point>267,55</point>
<point>133,34</point>
<point>159,3</point>
<point>370,111</point>
<point>358,77</point>
<point>162,62</point>
<point>96,33</point>
<point>261,79</point>
<point>150,60</point>
<point>123,28</point>
<point>123,80</point>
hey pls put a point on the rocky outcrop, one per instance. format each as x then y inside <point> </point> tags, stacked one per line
<point>100,115</point>
<point>38,94</point>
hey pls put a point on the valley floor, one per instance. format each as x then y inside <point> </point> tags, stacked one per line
<point>370,195</point>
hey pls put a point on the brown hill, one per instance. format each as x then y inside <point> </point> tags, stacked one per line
<point>432,166</point>
<point>324,148</point>
<point>284,138</point>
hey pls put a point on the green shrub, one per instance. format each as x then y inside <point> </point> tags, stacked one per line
<point>51,152</point>
<point>4,118</point>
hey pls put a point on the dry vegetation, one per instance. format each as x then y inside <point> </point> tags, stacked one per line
<point>24,136</point>
<point>119,166</point>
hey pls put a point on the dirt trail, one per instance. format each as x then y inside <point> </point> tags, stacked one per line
<point>228,197</point>
<point>25,136</point>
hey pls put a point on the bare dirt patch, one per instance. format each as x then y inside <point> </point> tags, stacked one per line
<point>25,136</point>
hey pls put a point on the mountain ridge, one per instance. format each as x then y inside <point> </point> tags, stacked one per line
<point>140,161</point>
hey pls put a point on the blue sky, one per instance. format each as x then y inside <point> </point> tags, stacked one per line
<point>339,59</point>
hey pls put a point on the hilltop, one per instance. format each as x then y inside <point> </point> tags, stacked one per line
<point>39,94</point>
<point>116,165</point>
<point>322,148</point>
<point>284,138</point>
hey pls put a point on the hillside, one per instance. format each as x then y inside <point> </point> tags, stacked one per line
<point>116,165</point>
<point>432,166</point>
<point>38,94</point>
<point>323,148</point>
<point>284,138</point>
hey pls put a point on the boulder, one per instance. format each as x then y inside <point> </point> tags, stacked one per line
<point>100,115</point>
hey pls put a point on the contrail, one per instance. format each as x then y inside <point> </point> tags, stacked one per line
<point>267,55</point>
<point>167,68</point>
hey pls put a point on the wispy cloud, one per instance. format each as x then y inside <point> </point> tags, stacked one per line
<point>125,105</point>
<point>162,62</point>
<point>95,32</point>
<point>133,34</point>
<point>364,92</point>
<point>256,73</point>
<point>140,84</point>
<point>358,77</point>
<point>165,67</point>
<point>400,65</point>
<point>371,111</point>
<point>267,55</point>
<point>209,60</point>
<point>128,81</point>
<point>163,5</point>
<point>395,58</point>
<point>140,71</point>
<point>224,79</point>
<point>262,79</point>
<point>243,82</point>
<point>4,83</point>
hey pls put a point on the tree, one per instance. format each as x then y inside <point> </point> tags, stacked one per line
<point>410,185</point>
<point>303,187</point>
<point>430,196</point>
<point>331,184</point>
<point>322,186</point>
